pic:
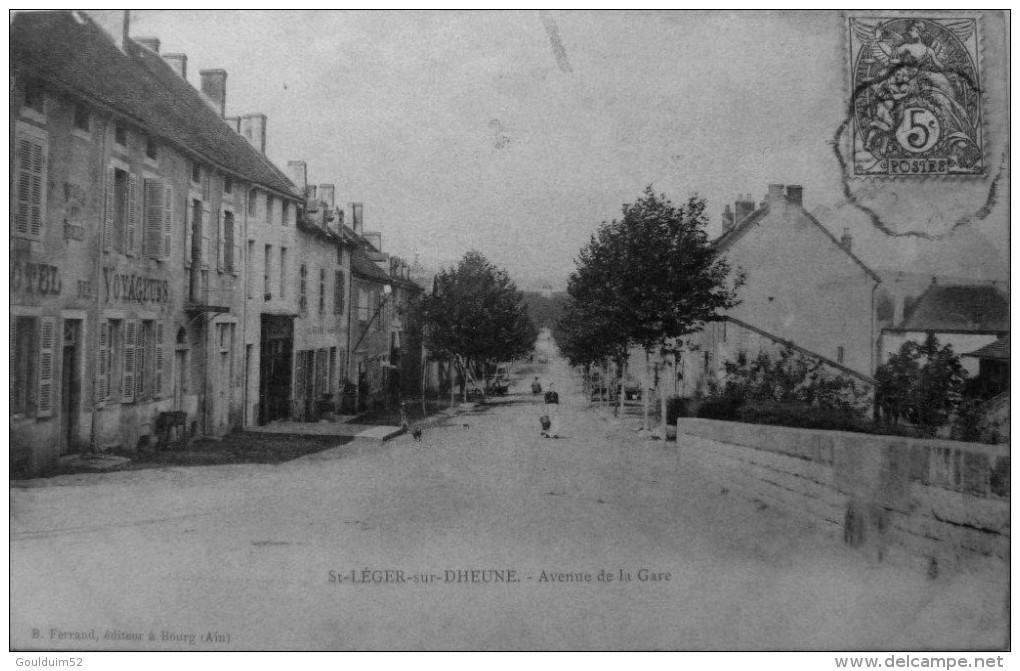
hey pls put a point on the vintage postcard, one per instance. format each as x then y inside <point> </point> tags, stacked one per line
<point>510,331</point>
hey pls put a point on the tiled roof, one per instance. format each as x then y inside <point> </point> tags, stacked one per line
<point>998,350</point>
<point>363,267</point>
<point>958,308</point>
<point>727,239</point>
<point>69,51</point>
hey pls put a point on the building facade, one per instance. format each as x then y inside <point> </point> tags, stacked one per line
<point>804,288</point>
<point>128,211</point>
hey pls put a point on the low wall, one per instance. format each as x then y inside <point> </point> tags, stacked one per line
<point>932,499</point>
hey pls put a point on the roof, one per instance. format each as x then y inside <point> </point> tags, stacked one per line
<point>998,350</point>
<point>71,52</point>
<point>727,239</point>
<point>958,308</point>
<point>364,267</point>
<point>794,346</point>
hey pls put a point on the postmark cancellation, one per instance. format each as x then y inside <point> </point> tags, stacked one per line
<point>915,94</point>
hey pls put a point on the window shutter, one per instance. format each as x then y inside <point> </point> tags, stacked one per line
<point>12,332</point>
<point>30,204</point>
<point>189,233</point>
<point>153,237</point>
<point>104,362</point>
<point>47,335</point>
<point>141,360</point>
<point>131,236</point>
<point>168,221</point>
<point>206,225</point>
<point>221,242</point>
<point>236,269</point>
<point>157,380</point>
<point>128,377</point>
<point>111,207</point>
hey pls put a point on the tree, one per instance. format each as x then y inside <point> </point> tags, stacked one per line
<point>648,280</point>
<point>476,316</point>
<point>922,383</point>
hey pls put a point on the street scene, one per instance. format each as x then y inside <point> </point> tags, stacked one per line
<point>509,331</point>
<point>251,551</point>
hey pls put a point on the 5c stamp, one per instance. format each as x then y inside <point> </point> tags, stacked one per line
<point>915,94</point>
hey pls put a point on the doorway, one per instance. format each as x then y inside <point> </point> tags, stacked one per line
<point>277,348</point>
<point>70,386</point>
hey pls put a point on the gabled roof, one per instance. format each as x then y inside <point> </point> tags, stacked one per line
<point>72,53</point>
<point>998,350</point>
<point>726,240</point>
<point>958,308</point>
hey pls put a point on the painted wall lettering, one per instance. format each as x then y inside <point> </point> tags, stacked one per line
<point>124,288</point>
<point>35,278</point>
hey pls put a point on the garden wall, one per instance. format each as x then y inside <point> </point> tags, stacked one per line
<point>924,499</point>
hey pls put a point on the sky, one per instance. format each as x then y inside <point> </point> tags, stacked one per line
<point>516,133</point>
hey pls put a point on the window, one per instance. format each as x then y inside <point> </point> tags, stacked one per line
<point>158,215</point>
<point>303,289</point>
<point>252,203</point>
<point>29,199</point>
<point>284,213</point>
<point>266,288</point>
<point>196,172</point>
<point>363,308</point>
<point>24,335</point>
<point>121,216</point>
<point>129,361</point>
<point>120,135</point>
<point>111,351</point>
<point>35,97</point>
<point>82,117</point>
<point>840,354</point>
<point>227,244</point>
<point>338,292</point>
<point>249,279</point>
<point>151,149</point>
<point>228,185</point>
<point>269,207</point>
<point>322,290</point>
<point>283,272</point>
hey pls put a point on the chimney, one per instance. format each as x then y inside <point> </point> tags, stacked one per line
<point>327,194</point>
<point>150,43</point>
<point>253,128</point>
<point>727,219</point>
<point>357,218</point>
<point>297,171</point>
<point>116,23</point>
<point>795,195</point>
<point>375,239</point>
<point>234,122</point>
<point>743,207</point>
<point>898,309</point>
<point>775,193</point>
<point>847,240</point>
<point>214,86</point>
<point>178,63</point>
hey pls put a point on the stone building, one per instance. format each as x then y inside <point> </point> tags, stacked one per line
<point>385,353</point>
<point>805,288</point>
<point>131,201</point>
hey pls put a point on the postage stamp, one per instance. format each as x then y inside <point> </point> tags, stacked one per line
<point>916,95</point>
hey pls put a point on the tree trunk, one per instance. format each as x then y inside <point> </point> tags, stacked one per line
<point>644,391</point>
<point>623,388</point>
<point>663,392</point>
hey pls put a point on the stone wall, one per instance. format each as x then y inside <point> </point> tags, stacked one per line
<point>940,502</point>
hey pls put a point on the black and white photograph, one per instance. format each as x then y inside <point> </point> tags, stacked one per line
<point>519,330</point>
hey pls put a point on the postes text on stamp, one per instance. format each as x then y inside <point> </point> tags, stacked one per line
<point>916,95</point>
